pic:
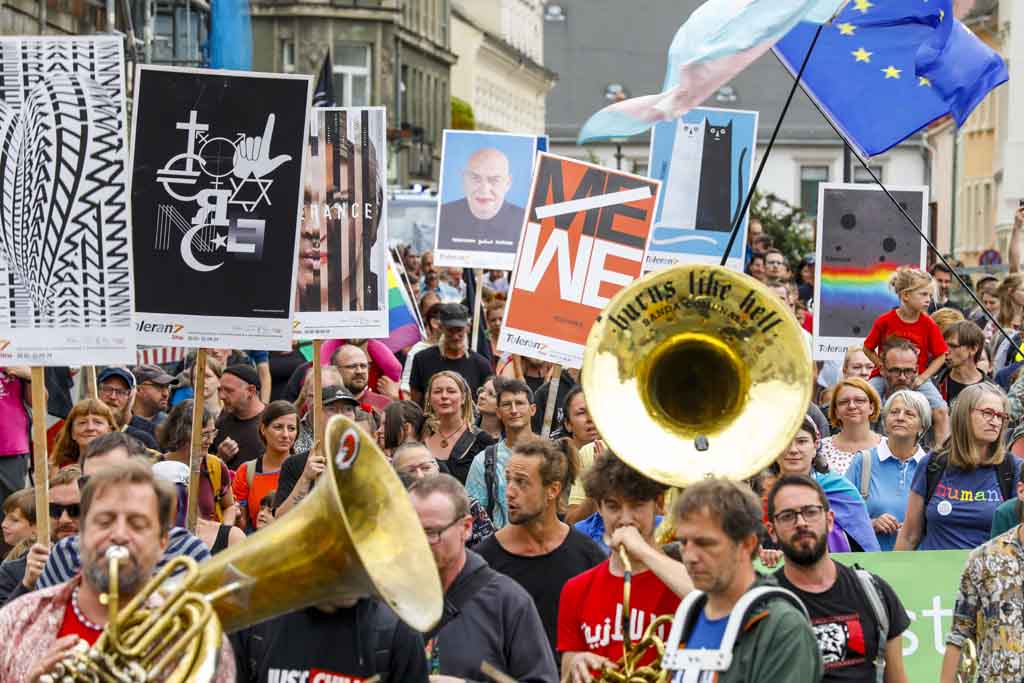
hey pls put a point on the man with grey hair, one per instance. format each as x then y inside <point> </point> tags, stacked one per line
<point>482,220</point>
<point>487,616</point>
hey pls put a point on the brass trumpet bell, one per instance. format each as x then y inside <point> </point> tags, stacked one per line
<point>697,371</point>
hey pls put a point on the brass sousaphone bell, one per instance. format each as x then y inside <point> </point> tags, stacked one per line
<point>697,371</point>
<point>355,534</point>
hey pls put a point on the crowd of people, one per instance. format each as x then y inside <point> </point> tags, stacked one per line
<point>912,442</point>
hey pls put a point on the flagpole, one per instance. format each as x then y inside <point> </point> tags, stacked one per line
<point>738,220</point>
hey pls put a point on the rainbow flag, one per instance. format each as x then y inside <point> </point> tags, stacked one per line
<point>857,287</point>
<point>403,326</point>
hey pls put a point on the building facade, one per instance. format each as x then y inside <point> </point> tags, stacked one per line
<point>500,72</point>
<point>391,53</point>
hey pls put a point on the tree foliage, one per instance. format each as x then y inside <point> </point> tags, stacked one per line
<point>786,224</point>
<point>462,115</point>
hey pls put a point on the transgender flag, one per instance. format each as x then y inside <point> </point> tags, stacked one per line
<point>719,40</point>
<point>403,325</point>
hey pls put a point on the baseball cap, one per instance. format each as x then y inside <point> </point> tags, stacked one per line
<point>335,392</point>
<point>454,315</point>
<point>151,373</point>
<point>114,371</point>
<point>246,373</point>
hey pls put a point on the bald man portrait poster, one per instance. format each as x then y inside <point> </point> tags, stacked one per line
<point>485,181</point>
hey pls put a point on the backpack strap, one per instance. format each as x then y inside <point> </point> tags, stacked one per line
<point>384,633</point>
<point>491,478</point>
<point>877,602</point>
<point>867,457</point>
<point>213,472</point>
<point>459,595</point>
<point>932,475</point>
<point>1007,475</point>
<point>250,473</point>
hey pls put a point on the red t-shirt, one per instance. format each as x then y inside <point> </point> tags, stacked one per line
<point>73,626</point>
<point>590,611</point>
<point>924,334</point>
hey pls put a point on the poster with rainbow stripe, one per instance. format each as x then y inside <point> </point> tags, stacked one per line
<point>861,240</point>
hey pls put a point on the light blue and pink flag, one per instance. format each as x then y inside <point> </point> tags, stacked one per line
<point>719,40</point>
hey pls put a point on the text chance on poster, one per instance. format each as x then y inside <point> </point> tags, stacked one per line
<point>342,263</point>
<point>583,240</point>
<point>216,197</point>
<point>65,233</point>
<point>862,239</point>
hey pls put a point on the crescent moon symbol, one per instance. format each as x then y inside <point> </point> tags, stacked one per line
<point>188,257</point>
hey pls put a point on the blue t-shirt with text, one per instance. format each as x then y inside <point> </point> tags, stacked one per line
<point>959,514</point>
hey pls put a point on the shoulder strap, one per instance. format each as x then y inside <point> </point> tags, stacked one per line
<point>491,478</point>
<point>867,457</point>
<point>459,595</point>
<point>877,602</point>
<point>1007,476</point>
<point>936,466</point>
<point>386,626</point>
<point>250,473</point>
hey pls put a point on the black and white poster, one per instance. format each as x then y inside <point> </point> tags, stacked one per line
<point>65,232</point>
<point>217,168</point>
<point>342,280</point>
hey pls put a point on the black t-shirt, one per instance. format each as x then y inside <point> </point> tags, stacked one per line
<point>282,365</point>
<point>845,625</point>
<point>310,646</point>
<point>543,576</point>
<point>291,472</point>
<point>245,432</point>
<point>473,367</point>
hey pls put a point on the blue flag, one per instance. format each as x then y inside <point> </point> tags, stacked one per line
<point>885,69</point>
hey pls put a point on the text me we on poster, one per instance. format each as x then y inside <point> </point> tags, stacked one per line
<point>584,238</point>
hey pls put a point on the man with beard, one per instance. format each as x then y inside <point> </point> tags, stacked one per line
<point>858,640</point>
<point>450,354</point>
<point>537,549</point>
<point>238,425</point>
<point>115,387</point>
<point>899,371</point>
<point>123,506</point>
<point>151,396</point>
<point>354,367</point>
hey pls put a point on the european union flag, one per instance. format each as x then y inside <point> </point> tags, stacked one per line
<point>885,69</point>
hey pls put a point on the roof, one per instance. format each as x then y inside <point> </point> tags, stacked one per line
<point>609,41</point>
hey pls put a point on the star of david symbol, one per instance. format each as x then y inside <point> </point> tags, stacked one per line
<point>249,205</point>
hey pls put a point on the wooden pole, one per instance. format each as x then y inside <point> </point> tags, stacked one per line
<point>549,409</point>
<point>92,390</point>
<point>40,457</point>
<point>196,454</point>
<point>318,398</point>
<point>477,299</point>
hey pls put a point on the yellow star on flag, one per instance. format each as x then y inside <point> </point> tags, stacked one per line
<point>863,5</point>
<point>922,81</point>
<point>862,55</point>
<point>846,29</point>
<point>942,15</point>
<point>892,72</point>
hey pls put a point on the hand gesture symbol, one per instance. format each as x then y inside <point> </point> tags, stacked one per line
<point>252,155</point>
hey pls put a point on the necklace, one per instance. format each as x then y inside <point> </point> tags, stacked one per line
<point>445,437</point>
<point>78,612</point>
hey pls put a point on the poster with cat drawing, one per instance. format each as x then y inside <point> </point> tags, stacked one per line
<point>704,161</point>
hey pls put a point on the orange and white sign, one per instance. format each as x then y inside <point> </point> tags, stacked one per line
<point>585,236</point>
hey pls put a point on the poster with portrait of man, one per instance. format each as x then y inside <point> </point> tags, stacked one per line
<point>485,183</point>
<point>342,263</point>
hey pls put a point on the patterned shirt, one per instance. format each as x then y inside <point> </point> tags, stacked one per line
<point>989,608</point>
<point>29,627</point>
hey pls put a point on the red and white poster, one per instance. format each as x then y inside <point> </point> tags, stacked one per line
<point>584,239</point>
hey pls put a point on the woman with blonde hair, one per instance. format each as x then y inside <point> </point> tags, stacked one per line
<point>944,317</point>
<point>854,408</point>
<point>88,419</point>
<point>448,429</point>
<point>957,488</point>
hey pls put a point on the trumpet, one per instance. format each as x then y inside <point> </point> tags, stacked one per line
<point>967,667</point>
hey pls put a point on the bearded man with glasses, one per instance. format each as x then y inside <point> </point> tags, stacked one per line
<point>900,371</point>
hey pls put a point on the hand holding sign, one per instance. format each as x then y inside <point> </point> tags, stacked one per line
<point>252,155</point>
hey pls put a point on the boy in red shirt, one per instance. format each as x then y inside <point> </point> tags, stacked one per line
<point>590,608</point>
<point>911,322</point>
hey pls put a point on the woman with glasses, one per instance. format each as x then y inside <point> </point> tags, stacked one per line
<point>853,408</point>
<point>883,474</point>
<point>957,488</point>
<point>852,529</point>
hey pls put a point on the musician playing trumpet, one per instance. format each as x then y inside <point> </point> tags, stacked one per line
<point>122,505</point>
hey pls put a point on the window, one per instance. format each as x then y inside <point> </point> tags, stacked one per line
<point>352,75</point>
<point>862,176</point>
<point>288,55</point>
<point>810,177</point>
<point>640,167</point>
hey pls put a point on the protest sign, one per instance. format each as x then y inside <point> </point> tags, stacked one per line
<point>862,239</point>
<point>583,240</point>
<point>928,597</point>
<point>65,235</point>
<point>216,197</point>
<point>342,278</point>
<point>485,180</point>
<point>704,161</point>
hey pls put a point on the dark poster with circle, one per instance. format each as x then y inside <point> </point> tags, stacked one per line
<point>216,192</point>
<point>862,239</point>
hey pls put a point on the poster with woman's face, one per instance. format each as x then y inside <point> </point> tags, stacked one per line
<point>342,265</point>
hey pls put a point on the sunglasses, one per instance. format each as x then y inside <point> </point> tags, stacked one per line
<point>74,510</point>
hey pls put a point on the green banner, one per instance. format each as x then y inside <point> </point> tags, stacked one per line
<point>927,583</point>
